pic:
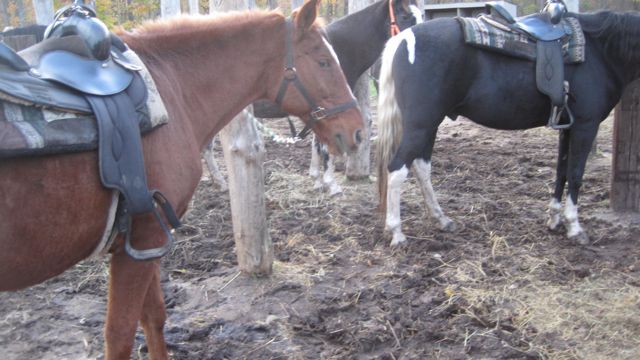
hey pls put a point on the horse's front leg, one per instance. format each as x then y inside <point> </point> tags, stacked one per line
<point>314,165</point>
<point>154,316</point>
<point>555,205</point>
<point>129,284</point>
<point>580,144</point>
<point>422,170</point>
<point>325,178</point>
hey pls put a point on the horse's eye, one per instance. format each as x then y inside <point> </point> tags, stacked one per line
<point>324,63</point>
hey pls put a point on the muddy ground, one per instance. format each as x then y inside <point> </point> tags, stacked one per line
<point>501,287</point>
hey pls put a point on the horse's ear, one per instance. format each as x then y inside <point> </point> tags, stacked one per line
<point>307,15</point>
<point>405,4</point>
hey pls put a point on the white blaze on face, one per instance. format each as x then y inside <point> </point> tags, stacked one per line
<point>333,52</point>
<point>416,13</point>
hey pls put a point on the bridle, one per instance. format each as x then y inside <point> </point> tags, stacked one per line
<point>317,112</point>
<point>393,28</point>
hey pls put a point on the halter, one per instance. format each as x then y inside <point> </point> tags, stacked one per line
<point>317,113</point>
<point>393,29</point>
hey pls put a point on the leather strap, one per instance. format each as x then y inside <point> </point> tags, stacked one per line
<point>393,28</point>
<point>317,113</point>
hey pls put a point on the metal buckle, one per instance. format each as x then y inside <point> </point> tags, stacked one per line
<point>319,113</point>
<point>290,73</point>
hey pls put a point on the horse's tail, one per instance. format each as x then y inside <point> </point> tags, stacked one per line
<point>389,120</point>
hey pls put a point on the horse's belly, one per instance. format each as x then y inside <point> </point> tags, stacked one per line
<point>53,212</point>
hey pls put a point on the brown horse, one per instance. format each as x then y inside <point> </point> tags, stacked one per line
<point>53,209</point>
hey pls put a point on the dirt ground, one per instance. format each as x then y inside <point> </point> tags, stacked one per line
<point>500,287</point>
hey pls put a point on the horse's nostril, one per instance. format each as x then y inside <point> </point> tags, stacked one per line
<point>358,136</point>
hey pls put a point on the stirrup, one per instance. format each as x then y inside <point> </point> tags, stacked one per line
<point>159,203</point>
<point>557,111</point>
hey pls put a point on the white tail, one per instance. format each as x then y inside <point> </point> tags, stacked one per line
<point>389,118</point>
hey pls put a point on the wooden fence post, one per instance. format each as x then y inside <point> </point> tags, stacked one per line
<point>44,11</point>
<point>169,8</point>
<point>244,156</point>
<point>625,179</point>
<point>359,163</point>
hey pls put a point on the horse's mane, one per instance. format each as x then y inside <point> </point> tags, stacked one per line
<point>619,33</point>
<point>186,25</point>
<point>180,29</point>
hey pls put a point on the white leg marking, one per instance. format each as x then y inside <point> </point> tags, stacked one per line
<point>554,214</point>
<point>574,230</point>
<point>314,166</point>
<point>422,169</point>
<point>329,179</point>
<point>394,190</point>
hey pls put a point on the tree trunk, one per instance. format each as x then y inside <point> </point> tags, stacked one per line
<point>194,7</point>
<point>625,180</point>
<point>358,163</point>
<point>244,156</point>
<point>296,4</point>
<point>169,8</point>
<point>44,11</point>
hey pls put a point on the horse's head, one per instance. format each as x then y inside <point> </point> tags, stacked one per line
<point>403,14</point>
<point>313,86</point>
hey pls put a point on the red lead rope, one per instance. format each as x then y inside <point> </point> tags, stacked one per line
<point>395,30</point>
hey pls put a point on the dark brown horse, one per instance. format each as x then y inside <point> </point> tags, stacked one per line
<point>53,209</point>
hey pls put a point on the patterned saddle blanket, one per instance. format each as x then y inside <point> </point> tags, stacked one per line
<point>30,128</point>
<point>489,33</point>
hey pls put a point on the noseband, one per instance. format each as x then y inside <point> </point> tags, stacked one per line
<point>317,113</point>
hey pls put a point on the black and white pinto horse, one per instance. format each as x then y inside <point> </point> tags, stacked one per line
<point>429,73</point>
<point>358,40</point>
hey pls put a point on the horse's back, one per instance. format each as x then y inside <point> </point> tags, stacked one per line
<point>447,77</point>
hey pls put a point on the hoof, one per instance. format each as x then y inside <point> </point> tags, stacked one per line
<point>581,238</point>
<point>448,226</point>
<point>335,190</point>
<point>398,238</point>
<point>554,224</point>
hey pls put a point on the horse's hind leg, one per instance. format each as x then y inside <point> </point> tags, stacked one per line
<point>412,146</point>
<point>129,284</point>
<point>555,206</point>
<point>393,222</point>
<point>422,170</point>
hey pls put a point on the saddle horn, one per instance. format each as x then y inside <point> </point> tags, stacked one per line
<point>80,19</point>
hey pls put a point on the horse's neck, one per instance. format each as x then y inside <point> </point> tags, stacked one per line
<point>205,84</point>
<point>617,36</point>
<point>359,38</point>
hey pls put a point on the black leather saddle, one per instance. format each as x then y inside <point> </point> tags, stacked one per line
<point>82,68</point>
<point>548,30</point>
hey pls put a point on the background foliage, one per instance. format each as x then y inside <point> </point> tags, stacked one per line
<point>128,13</point>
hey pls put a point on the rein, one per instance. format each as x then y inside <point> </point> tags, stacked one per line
<point>317,112</point>
<point>393,28</point>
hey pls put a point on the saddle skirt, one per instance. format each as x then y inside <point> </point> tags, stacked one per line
<point>41,117</point>
<point>489,33</point>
